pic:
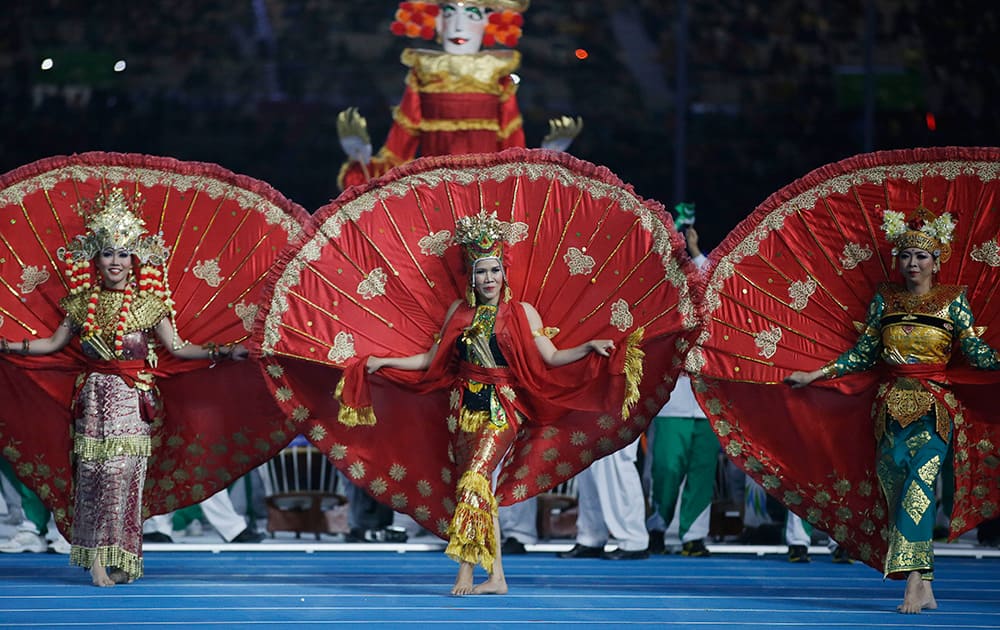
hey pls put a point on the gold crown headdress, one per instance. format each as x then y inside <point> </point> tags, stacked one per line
<point>481,236</point>
<point>112,222</point>
<point>923,230</point>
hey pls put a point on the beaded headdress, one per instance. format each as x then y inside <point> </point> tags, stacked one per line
<point>419,19</point>
<point>112,222</point>
<point>922,230</point>
<point>481,236</point>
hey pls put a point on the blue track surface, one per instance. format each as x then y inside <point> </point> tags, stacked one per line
<point>388,589</point>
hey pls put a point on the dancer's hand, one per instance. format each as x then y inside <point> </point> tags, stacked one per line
<point>374,364</point>
<point>802,379</point>
<point>603,347</point>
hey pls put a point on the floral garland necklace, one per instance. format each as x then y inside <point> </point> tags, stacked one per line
<point>92,330</point>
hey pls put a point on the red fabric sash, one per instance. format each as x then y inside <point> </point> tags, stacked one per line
<point>932,376</point>
<point>127,370</point>
<point>490,376</point>
<point>921,371</point>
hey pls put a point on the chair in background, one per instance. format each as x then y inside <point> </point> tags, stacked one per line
<point>302,492</point>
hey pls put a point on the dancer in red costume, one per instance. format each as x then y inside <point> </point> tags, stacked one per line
<point>149,433</point>
<point>858,453</point>
<point>485,332</point>
<point>459,100</point>
<point>380,274</point>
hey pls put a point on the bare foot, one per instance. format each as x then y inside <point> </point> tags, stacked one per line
<point>463,581</point>
<point>118,576</point>
<point>495,585</point>
<point>918,595</point>
<point>99,575</point>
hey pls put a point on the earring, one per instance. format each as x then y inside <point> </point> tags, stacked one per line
<point>507,293</point>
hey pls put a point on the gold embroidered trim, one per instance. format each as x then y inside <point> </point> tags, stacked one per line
<point>116,557</point>
<point>461,124</point>
<point>907,405</point>
<point>905,556</point>
<point>95,449</point>
<point>434,71</point>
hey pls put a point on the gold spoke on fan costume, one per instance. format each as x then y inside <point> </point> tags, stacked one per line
<point>809,273</point>
<point>41,244</point>
<point>767,318</point>
<point>833,219</point>
<point>371,243</point>
<point>538,233</point>
<point>819,246</point>
<point>871,228</point>
<point>406,246</point>
<point>622,283</point>
<point>624,238</point>
<point>55,216</point>
<point>235,273</point>
<point>306,335</point>
<point>843,237</point>
<point>16,319</point>
<point>202,234</point>
<point>666,312</point>
<point>656,285</point>
<point>430,230</point>
<point>183,226</point>
<point>557,250</point>
<point>451,203</point>
<point>420,208</point>
<point>322,277</point>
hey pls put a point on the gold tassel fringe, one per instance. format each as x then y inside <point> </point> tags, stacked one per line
<point>110,556</point>
<point>471,534</point>
<point>352,416</point>
<point>633,369</point>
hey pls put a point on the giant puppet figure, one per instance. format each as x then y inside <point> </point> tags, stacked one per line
<point>457,100</point>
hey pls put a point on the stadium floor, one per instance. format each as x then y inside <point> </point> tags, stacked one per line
<point>277,584</point>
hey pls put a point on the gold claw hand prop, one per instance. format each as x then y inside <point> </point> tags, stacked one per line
<point>352,130</point>
<point>562,132</point>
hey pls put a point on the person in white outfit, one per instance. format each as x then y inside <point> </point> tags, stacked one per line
<point>519,526</point>
<point>219,511</point>
<point>611,501</point>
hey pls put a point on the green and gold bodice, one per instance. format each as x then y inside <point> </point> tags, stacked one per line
<point>903,328</point>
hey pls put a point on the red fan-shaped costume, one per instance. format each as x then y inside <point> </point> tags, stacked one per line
<point>201,428</point>
<point>790,290</point>
<point>376,275</point>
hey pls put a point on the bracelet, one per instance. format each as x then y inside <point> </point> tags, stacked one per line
<point>4,348</point>
<point>213,352</point>
<point>25,346</point>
